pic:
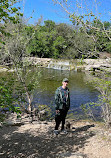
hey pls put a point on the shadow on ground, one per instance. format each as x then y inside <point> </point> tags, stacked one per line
<point>45,145</point>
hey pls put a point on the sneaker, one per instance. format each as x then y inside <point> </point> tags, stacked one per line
<point>56,132</point>
<point>64,131</point>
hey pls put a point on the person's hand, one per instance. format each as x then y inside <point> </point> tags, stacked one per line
<point>57,111</point>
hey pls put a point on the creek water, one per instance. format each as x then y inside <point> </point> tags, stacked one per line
<point>81,91</point>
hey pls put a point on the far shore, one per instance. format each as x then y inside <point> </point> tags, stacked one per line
<point>64,64</point>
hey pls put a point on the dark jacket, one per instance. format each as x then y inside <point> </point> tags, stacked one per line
<point>59,101</point>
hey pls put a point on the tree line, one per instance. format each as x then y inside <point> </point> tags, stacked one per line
<point>68,41</point>
<point>51,40</point>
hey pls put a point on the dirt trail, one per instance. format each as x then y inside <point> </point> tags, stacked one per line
<point>84,140</point>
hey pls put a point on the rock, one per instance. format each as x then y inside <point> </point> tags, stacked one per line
<point>15,124</point>
<point>97,64</point>
<point>11,70</point>
<point>3,69</point>
<point>12,120</point>
<point>92,67</point>
<point>41,62</point>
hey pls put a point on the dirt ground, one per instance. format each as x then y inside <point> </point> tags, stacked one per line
<point>36,140</point>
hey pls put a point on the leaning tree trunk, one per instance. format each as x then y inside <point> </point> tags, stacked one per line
<point>107,115</point>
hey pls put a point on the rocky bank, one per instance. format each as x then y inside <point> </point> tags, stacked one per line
<point>76,65</point>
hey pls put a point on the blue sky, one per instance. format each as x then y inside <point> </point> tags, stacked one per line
<point>49,11</point>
